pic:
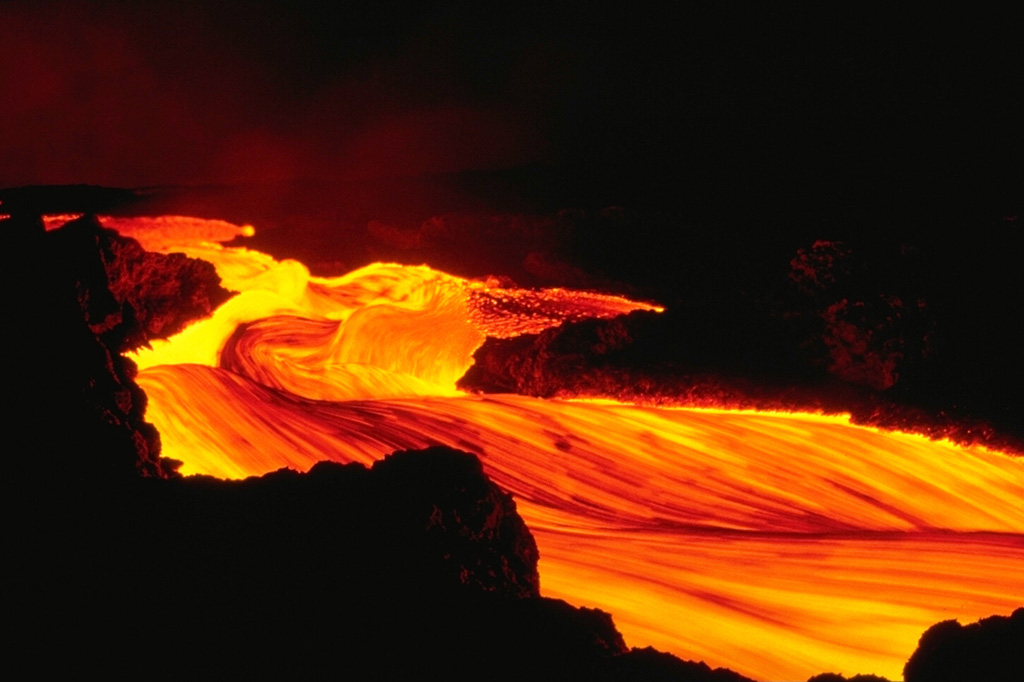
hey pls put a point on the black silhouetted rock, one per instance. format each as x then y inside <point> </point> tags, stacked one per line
<point>657,666</point>
<point>80,390</point>
<point>865,326</point>
<point>988,650</point>
<point>417,566</point>
<point>90,294</point>
<point>479,535</point>
<point>836,677</point>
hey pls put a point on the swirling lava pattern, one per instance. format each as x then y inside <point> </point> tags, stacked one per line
<point>780,545</point>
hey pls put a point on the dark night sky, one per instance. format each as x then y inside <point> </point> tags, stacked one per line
<point>774,113</point>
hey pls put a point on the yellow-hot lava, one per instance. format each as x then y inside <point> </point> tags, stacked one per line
<point>779,545</point>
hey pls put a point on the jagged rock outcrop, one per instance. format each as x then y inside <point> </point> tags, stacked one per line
<point>835,677</point>
<point>161,293</point>
<point>416,566</point>
<point>128,295</point>
<point>472,524</point>
<point>79,390</point>
<point>656,666</point>
<point>988,650</point>
<point>660,358</point>
<point>863,327</point>
<point>92,294</point>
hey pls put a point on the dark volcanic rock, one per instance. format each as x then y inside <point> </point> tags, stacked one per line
<point>849,315</point>
<point>660,359</point>
<point>137,295</point>
<point>651,664</point>
<point>988,650</point>
<point>94,294</point>
<point>417,528</point>
<point>465,518</point>
<point>163,293</point>
<point>72,327</point>
<point>418,566</point>
<point>835,677</point>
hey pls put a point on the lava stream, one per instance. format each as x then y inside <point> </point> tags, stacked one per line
<point>778,545</point>
<point>736,538</point>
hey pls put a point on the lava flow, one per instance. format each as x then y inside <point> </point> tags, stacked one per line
<point>779,545</point>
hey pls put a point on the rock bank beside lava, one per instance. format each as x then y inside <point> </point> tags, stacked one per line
<point>902,326</point>
<point>83,295</point>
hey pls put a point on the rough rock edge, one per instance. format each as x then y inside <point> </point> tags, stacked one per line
<point>592,359</point>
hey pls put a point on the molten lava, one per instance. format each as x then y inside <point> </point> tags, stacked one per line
<point>779,545</point>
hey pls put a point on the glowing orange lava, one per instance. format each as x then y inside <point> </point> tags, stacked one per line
<point>779,545</point>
